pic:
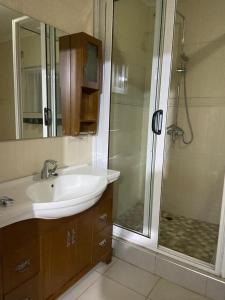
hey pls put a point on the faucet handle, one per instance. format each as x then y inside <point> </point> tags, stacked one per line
<point>52,165</point>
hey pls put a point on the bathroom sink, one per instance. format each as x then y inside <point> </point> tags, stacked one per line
<point>65,195</point>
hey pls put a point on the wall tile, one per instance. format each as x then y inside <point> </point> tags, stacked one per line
<point>182,276</point>
<point>132,254</point>
<point>215,289</point>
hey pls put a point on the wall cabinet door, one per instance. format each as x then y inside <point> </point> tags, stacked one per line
<point>59,256</point>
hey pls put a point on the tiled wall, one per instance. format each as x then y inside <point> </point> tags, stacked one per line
<point>190,278</point>
<point>21,158</point>
<point>194,174</point>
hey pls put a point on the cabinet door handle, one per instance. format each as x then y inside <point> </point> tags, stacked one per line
<point>103,243</point>
<point>23,266</point>
<point>103,218</point>
<point>73,237</point>
<point>68,239</point>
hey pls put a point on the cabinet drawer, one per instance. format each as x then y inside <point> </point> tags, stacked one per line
<point>103,211</point>
<point>27,291</point>
<point>20,265</point>
<point>102,244</point>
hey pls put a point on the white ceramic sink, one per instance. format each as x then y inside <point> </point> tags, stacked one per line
<point>65,195</point>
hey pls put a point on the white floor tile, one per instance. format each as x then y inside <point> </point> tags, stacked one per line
<point>107,289</point>
<point>165,290</point>
<point>102,267</point>
<point>84,283</point>
<point>132,277</point>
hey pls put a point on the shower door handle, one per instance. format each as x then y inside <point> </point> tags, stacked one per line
<point>157,121</point>
<point>47,116</point>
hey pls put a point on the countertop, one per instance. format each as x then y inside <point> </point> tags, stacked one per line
<point>22,208</point>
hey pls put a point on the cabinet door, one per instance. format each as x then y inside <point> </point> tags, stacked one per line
<point>84,239</point>
<point>27,291</point>
<point>1,291</point>
<point>92,63</point>
<point>59,255</point>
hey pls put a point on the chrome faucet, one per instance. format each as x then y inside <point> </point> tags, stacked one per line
<point>49,169</point>
<point>6,201</point>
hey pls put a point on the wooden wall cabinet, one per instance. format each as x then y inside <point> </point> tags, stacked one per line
<point>80,82</point>
<point>46,257</point>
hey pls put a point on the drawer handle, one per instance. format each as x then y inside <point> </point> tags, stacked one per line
<point>73,240</point>
<point>103,218</point>
<point>23,266</point>
<point>103,243</point>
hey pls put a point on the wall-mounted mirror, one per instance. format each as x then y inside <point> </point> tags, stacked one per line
<point>29,78</point>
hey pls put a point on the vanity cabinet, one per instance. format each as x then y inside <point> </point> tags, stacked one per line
<point>65,250</point>
<point>80,82</point>
<point>46,257</point>
<point>20,258</point>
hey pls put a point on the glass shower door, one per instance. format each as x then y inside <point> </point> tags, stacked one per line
<point>133,100</point>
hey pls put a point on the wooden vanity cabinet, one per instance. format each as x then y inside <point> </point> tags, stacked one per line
<point>40,259</point>
<point>1,287</point>
<point>65,251</point>
<point>20,261</point>
<point>80,82</point>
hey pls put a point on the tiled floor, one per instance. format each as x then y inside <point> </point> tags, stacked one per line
<point>189,236</point>
<point>123,281</point>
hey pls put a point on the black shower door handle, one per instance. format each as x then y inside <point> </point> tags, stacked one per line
<point>47,116</point>
<point>157,119</point>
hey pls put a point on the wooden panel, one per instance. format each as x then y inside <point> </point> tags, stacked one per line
<point>103,210</point>
<point>76,79</point>
<point>102,244</point>
<point>18,234</point>
<point>89,106</point>
<point>84,239</point>
<point>64,62</point>
<point>20,265</point>
<point>27,291</point>
<point>80,98</point>
<point>58,258</point>
<point>1,282</point>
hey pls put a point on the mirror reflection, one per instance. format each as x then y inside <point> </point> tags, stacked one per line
<point>29,78</point>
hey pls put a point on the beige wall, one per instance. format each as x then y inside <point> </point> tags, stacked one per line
<point>68,15</point>
<point>21,158</point>
<point>194,174</point>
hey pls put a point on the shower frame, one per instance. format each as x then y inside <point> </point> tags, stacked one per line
<point>161,72</point>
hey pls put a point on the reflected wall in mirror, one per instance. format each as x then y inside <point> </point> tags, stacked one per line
<point>29,78</point>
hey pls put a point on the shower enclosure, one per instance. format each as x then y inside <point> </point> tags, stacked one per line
<point>166,126</point>
<point>132,99</point>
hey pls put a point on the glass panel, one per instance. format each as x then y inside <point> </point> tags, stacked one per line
<point>91,73</point>
<point>31,92</point>
<point>193,172</point>
<point>22,63</point>
<point>59,131</point>
<point>133,36</point>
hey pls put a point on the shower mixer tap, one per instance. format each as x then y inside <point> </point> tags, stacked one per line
<point>175,132</point>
